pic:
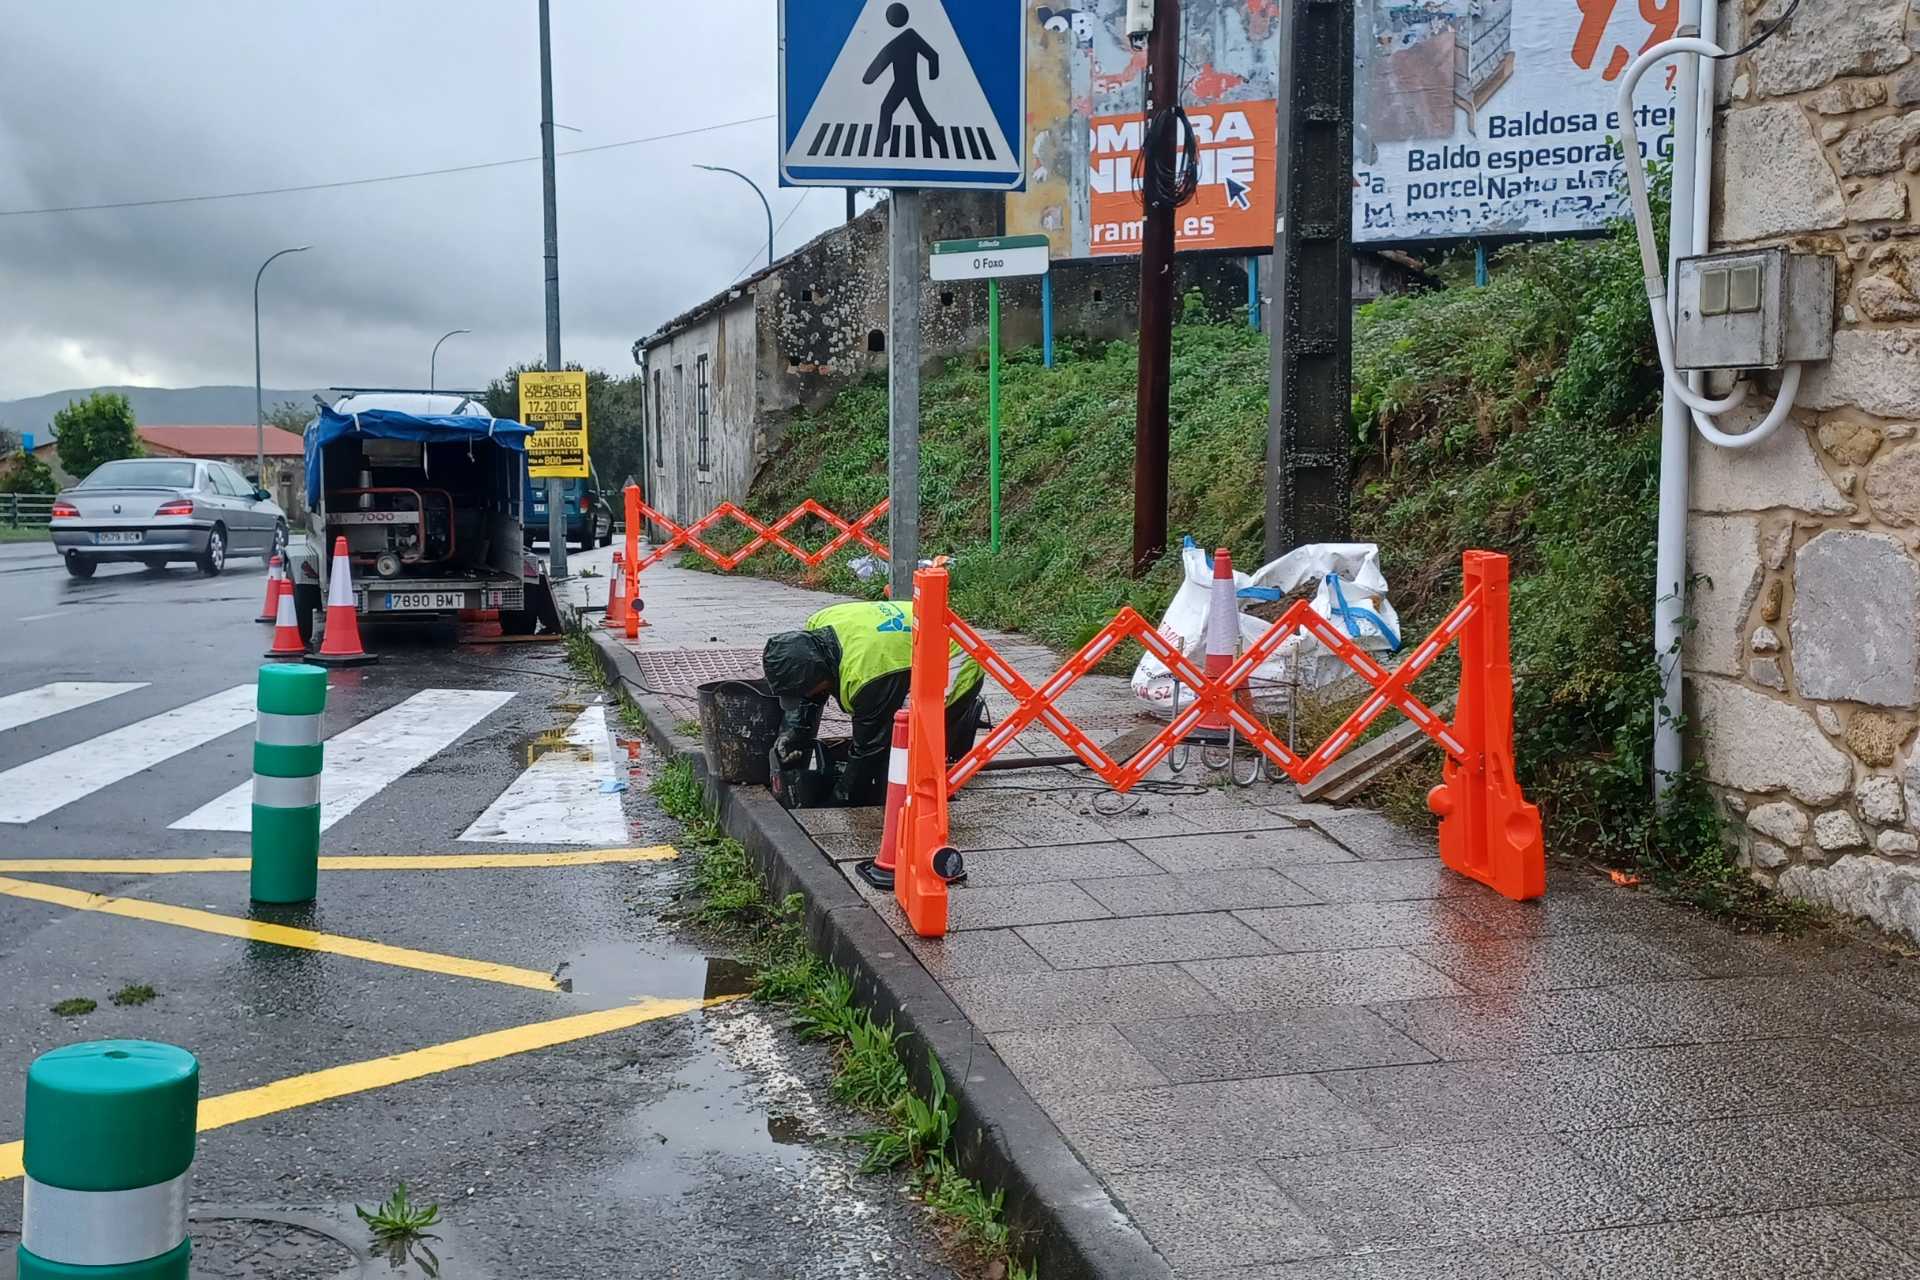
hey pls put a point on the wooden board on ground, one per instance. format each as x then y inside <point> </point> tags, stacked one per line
<point>1344,778</point>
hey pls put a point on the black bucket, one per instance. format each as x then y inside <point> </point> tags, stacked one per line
<point>739,719</point>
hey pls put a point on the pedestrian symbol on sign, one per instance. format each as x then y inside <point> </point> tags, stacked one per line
<point>906,93</point>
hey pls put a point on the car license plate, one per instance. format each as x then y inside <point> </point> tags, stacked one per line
<point>114,539</point>
<point>403,601</point>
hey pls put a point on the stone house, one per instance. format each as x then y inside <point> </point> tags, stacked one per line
<point>1804,665</point>
<point>724,378</point>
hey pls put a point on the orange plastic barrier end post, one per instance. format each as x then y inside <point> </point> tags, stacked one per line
<point>633,621</point>
<point>616,618</point>
<point>1488,831</point>
<point>920,890</point>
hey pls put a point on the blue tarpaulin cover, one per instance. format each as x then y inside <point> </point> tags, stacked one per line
<point>390,424</point>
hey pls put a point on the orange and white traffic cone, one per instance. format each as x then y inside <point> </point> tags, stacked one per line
<point>341,646</point>
<point>1223,636</point>
<point>286,632</point>
<point>878,872</point>
<point>276,583</point>
<point>616,619</point>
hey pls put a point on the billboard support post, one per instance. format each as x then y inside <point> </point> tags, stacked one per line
<point>1308,437</point>
<point>1150,431</point>
<point>904,270</point>
<point>993,413</point>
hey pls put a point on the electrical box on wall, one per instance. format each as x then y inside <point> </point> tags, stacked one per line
<point>1753,309</point>
<point>1139,19</point>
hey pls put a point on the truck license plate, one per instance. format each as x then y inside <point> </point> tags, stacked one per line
<point>401,601</point>
<point>112,539</point>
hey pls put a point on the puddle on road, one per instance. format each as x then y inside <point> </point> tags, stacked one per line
<point>547,743</point>
<point>615,972</point>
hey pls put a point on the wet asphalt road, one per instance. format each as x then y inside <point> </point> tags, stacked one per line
<point>703,1144</point>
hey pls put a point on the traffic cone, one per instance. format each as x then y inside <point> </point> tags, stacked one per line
<point>878,872</point>
<point>286,632</point>
<point>616,619</point>
<point>1223,635</point>
<point>342,647</point>
<point>276,580</point>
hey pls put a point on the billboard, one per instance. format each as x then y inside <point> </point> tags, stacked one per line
<point>1472,118</point>
<point>1497,117</point>
<point>555,406</point>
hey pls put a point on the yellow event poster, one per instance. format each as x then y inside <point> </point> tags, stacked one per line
<point>555,406</point>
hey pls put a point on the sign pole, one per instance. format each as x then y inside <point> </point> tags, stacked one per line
<point>556,512</point>
<point>993,411</point>
<point>1151,431</point>
<point>903,388</point>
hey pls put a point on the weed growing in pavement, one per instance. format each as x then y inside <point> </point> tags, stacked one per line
<point>687,728</point>
<point>581,655</point>
<point>75,1006</point>
<point>134,993</point>
<point>871,1073</point>
<point>398,1219</point>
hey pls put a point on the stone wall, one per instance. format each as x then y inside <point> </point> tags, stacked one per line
<point>1805,660</point>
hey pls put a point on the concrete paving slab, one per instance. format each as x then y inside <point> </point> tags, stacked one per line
<point>1148,895</point>
<point>1283,847</point>
<point>1552,963</point>
<point>1010,1002</point>
<point>1767,1006</point>
<point>1321,978</point>
<point>1206,1219</point>
<point>1070,1062</point>
<point>1572,906</point>
<point>975,953</point>
<point>1454,1194</point>
<point>1814,1242</point>
<point>1479,1027</point>
<point>1373,837</point>
<point>1464,1262</point>
<point>1056,862</point>
<point>1895,1221</point>
<point>1193,1126</point>
<point>1233,1046</point>
<point>1385,882</point>
<point>1001,906</point>
<point>1765,1162</point>
<point>1346,926</point>
<point>1144,940</point>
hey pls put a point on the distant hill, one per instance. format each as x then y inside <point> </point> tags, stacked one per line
<point>174,406</point>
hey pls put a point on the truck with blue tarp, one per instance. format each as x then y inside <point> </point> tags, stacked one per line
<point>429,492</point>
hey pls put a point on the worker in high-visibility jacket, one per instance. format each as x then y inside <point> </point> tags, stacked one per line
<point>862,654</point>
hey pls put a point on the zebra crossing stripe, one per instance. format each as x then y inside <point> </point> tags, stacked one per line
<point>560,799</point>
<point>37,788</point>
<point>370,756</point>
<point>29,705</point>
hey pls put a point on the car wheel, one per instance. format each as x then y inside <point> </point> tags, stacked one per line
<point>606,533</point>
<point>79,566</point>
<point>279,541</point>
<point>214,558</point>
<point>306,604</point>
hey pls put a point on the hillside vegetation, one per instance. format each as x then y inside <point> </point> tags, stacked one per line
<point>1520,417</point>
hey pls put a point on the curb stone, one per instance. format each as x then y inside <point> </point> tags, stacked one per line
<point>1072,1228</point>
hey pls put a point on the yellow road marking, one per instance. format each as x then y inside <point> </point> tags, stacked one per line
<point>277,934</point>
<point>407,862</point>
<point>378,1073</point>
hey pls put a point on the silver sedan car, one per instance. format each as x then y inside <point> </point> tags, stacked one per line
<point>157,511</point>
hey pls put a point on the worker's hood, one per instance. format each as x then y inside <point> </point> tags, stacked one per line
<point>798,662</point>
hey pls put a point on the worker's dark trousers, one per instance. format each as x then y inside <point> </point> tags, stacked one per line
<point>865,782</point>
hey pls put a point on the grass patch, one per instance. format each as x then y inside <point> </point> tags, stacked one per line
<point>133,994</point>
<point>75,1006</point>
<point>913,1130</point>
<point>10,534</point>
<point>687,728</point>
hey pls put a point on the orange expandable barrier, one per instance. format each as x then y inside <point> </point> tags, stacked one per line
<point>765,535</point>
<point>1488,831</point>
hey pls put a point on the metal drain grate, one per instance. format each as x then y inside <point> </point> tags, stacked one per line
<point>682,671</point>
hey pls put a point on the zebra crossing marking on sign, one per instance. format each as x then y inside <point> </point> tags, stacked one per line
<point>903,93</point>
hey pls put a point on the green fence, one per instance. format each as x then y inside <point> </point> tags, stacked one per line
<point>25,510</point>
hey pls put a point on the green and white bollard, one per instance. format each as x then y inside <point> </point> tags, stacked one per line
<point>286,783</point>
<point>109,1141</point>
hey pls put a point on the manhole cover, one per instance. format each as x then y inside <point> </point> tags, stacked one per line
<point>245,1248</point>
<point>681,671</point>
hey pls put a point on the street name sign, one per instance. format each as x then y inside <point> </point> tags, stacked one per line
<point>995,259</point>
<point>903,93</point>
<point>555,406</point>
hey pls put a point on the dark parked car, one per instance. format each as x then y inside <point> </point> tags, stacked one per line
<point>158,511</point>
<point>589,514</point>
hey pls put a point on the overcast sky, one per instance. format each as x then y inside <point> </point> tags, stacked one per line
<point>110,100</point>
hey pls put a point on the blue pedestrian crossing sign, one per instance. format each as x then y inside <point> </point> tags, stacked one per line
<point>903,93</point>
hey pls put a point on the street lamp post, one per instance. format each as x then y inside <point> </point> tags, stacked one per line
<point>714,168</point>
<point>433,364</point>
<point>259,399</point>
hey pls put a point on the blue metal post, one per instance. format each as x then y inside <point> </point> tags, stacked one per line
<point>1480,264</point>
<point>1046,317</point>
<point>1253,294</point>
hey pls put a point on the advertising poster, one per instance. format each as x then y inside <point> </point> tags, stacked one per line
<point>1498,117</point>
<point>555,406</point>
<point>1473,118</point>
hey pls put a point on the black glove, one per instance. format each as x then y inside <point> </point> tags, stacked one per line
<point>799,730</point>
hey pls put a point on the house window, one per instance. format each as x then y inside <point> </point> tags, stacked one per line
<point>704,406</point>
<point>659,418</point>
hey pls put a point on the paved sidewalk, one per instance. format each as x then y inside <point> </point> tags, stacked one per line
<point>1291,1045</point>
